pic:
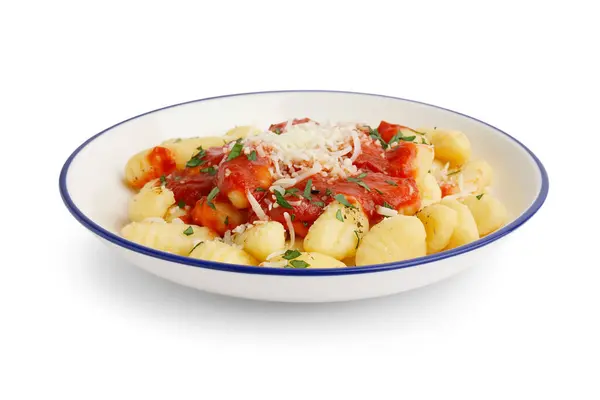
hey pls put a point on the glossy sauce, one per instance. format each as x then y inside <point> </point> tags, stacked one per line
<point>162,162</point>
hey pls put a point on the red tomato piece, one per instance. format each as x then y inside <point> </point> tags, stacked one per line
<point>402,159</point>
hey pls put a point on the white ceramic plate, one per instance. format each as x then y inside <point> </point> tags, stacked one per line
<point>92,188</point>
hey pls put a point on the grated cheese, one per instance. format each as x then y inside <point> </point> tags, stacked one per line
<point>386,212</point>
<point>256,207</point>
<point>288,221</point>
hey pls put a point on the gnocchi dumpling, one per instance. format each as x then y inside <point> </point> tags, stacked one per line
<point>477,173</point>
<point>489,213</point>
<point>424,159</point>
<point>305,260</point>
<point>439,222</point>
<point>261,240</point>
<point>147,165</point>
<point>175,212</point>
<point>393,239</point>
<point>214,250</point>
<point>337,231</point>
<point>184,149</point>
<point>241,132</point>
<point>449,145</point>
<point>430,190</point>
<point>152,201</point>
<point>172,238</point>
<point>465,231</point>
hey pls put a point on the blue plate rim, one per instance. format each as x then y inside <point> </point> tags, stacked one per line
<point>118,240</point>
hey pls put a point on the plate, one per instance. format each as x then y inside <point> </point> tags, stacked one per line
<point>92,188</point>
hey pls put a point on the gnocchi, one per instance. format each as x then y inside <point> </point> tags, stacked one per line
<point>301,194</point>
<point>169,237</point>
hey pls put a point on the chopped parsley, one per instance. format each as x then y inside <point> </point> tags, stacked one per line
<point>236,150</point>
<point>307,190</point>
<point>423,141</point>
<point>357,239</point>
<point>391,183</point>
<point>339,216</point>
<point>189,231</point>
<point>226,222</point>
<point>343,200</point>
<point>194,162</point>
<point>252,156</point>
<point>209,170</point>
<point>299,264</point>
<point>259,189</point>
<point>388,205</point>
<point>319,203</point>
<point>408,138</point>
<point>194,248</point>
<point>360,183</point>
<point>211,196</point>
<point>375,135</point>
<point>291,254</point>
<point>364,174</point>
<point>163,179</point>
<point>292,191</point>
<point>379,191</point>
<point>305,224</point>
<point>277,131</point>
<point>281,201</point>
<point>398,137</point>
<point>453,172</point>
<point>479,196</point>
<point>328,192</point>
<point>293,217</point>
<point>181,204</point>
<point>197,158</point>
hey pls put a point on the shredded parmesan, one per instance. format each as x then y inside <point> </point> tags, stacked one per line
<point>288,221</point>
<point>386,212</point>
<point>177,221</point>
<point>256,207</point>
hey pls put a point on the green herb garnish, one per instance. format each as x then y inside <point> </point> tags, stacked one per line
<point>291,191</point>
<point>189,231</point>
<point>194,248</point>
<point>423,141</point>
<point>181,204</point>
<point>163,179</point>
<point>252,156</point>
<point>453,172</point>
<point>364,174</point>
<point>357,239</point>
<point>319,203</point>
<point>339,216</point>
<point>281,201</point>
<point>277,131</point>
<point>305,224</point>
<point>342,200</point>
<point>194,162</point>
<point>328,192</point>
<point>375,135</point>
<point>479,196</point>
<point>307,190</point>
<point>388,205</point>
<point>293,217</point>
<point>359,183</point>
<point>379,191</point>
<point>209,170</point>
<point>259,189</point>
<point>391,183</point>
<point>299,264</point>
<point>213,193</point>
<point>291,254</point>
<point>226,222</point>
<point>236,150</point>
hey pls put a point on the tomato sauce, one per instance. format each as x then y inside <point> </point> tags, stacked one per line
<point>190,186</point>
<point>162,162</point>
<point>243,175</point>
<point>402,159</point>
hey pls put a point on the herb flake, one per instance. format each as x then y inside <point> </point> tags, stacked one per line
<point>307,190</point>
<point>209,170</point>
<point>479,196</point>
<point>299,264</point>
<point>391,183</point>
<point>211,196</point>
<point>281,201</point>
<point>189,231</point>
<point>252,156</point>
<point>291,254</point>
<point>357,239</point>
<point>343,200</point>
<point>181,204</point>
<point>339,216</point>
<point>236,150</point>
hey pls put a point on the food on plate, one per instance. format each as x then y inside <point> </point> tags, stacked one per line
<point>303,194</point>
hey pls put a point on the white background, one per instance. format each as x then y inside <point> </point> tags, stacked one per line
<point>78,323</point>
